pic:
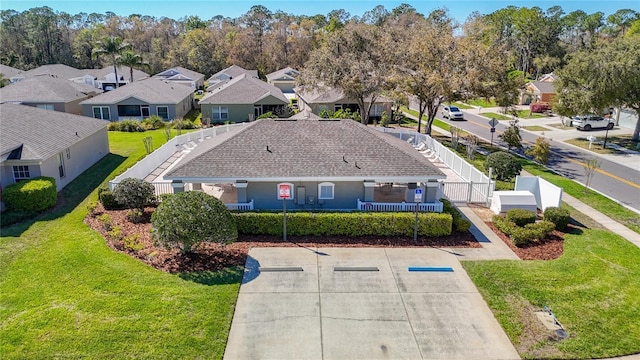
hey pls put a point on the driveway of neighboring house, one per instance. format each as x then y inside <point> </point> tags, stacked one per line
<point>361,303</point>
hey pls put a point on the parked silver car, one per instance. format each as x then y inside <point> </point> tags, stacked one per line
<point>452,113</point>
<point>588,122</point>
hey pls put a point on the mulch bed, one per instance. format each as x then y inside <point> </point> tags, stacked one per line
<point>136,241</point>
<point>549,248</point>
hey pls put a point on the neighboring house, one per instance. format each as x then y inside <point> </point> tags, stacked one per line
<point>105,78</point>
<point>328,164</point>
<point>241,99</point>
<point>49,93</point>
<point>10,73</point>
<point>551,77</point>
<point>182,76</point>
<point>229,73</point>
<point>284,79</point>
<point>538,91</point>
<point>36,142</point>
<point>331,100</point>
<point>140,100</point>
<point>59,71</point>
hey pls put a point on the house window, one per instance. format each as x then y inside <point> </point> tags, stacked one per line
<point>101,112</point>
<point>133,111</point>
<point>61,170</point>
<point>220,113</point>
<point>337,107</point>
<point>21,172</point>
<point>68,153</point>
<point>325,190</point>
<point>45,106</point>
<point>163,112</point>
<point>376,110</point>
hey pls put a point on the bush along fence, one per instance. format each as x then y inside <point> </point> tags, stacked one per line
<point>344,224</point>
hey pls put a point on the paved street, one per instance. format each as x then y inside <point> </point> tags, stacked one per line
<point>619,175</point>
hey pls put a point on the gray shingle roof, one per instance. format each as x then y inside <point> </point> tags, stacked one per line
<point>233,71</point>
<point>9,71</point>
<point>243,90</point>
<point>151,91</point>
<point>57,70</point>
<point>544,87</point>
<point>306,149</point>
<point>42,133</point>
<point>193,75</point>
<point>286,72</point>
<point>46,89</point>
<point>123,72</point>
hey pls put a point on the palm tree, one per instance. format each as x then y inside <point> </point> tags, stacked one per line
<point>132,60</point>
<point>112,46</point>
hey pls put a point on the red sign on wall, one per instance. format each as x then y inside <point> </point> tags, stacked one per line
<point>284,191</point>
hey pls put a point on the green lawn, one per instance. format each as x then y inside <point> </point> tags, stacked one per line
<point>496,116</point>
<point>436,122</point>
<point>593,290</point>
<point>65,294</point>
<point>535,128</point>
<point>482,102</point>
<point>462,105</point>
<point>526,114</point>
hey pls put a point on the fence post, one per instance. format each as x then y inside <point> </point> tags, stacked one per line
<point>470,191</point>
<point>488,187</point>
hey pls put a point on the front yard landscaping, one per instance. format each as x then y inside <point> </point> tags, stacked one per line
<point>535,128</point>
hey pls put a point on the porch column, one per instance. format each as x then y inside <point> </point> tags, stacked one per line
<point>241,191</point>
<point>369,186</point>
<point>431,191</point>
<point>178,186</point>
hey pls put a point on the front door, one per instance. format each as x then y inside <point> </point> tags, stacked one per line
<point>257,110</point>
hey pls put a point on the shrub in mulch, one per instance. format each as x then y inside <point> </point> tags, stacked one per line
<point>135,239</point>
<point>549,248</point>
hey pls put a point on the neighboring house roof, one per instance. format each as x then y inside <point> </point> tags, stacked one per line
<point>231,72</point>
<point>56,70</point>
<point>551,77</point>
<point>179,73</point>
<point>317,150</point>
<point>9,71</point>
<point>150,90</point>
<point>243,90</point>
<point>123,73</point>
<point>46,89</point>
<point>543,87</point>
<point>29,133</point>
<point>287,73</point>
<point>327,95</point>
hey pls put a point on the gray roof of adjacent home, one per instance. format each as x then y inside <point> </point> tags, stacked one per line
<point>46,89</point>
<point>178,70</point>
<point>316,150</point>
<point>287,72</point>
<point>544,87</point>
<point>9,71</point>
<point>123,73</point>
<point>41,133</point>
<point>243,90</point>
<point>57,70</point>
<point>328,95</point>
<point>234,71</point>
<point>150,90</point>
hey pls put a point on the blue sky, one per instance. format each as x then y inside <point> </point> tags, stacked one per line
<point>206,9</point>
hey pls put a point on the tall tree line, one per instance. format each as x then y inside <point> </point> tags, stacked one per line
<point>536,40</point>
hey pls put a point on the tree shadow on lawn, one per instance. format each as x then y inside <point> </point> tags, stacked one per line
<point>230,275</point>
<point>72,194</point>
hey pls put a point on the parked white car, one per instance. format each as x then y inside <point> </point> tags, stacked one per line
<point>452,113</point>
<point>588,122</point>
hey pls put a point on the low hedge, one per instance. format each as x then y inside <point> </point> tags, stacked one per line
<point>37,194</point>
<point>559,216</point>
<point>521,217</point>
<point>459,223</point>
<point>524,235</point>
<point>344,224</point>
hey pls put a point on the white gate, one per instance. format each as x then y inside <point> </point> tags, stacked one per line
<point>467,191</point>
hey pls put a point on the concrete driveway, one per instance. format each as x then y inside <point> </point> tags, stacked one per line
<point>361,303</point>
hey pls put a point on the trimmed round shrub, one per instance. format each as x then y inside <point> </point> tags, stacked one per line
<point>521,217</point>
<point>522,236</point>
<point>559,216</point>
<point>37,194</point>
<point>107,200</point>
<point>189,218</point>
<point>505,166</point>
<point>134,193</point>
<point>506,226</point>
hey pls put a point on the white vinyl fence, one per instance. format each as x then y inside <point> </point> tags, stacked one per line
<point>476,188</point>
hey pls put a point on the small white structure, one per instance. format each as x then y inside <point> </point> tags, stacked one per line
<point>547,194</point>
<point>505,200</point>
